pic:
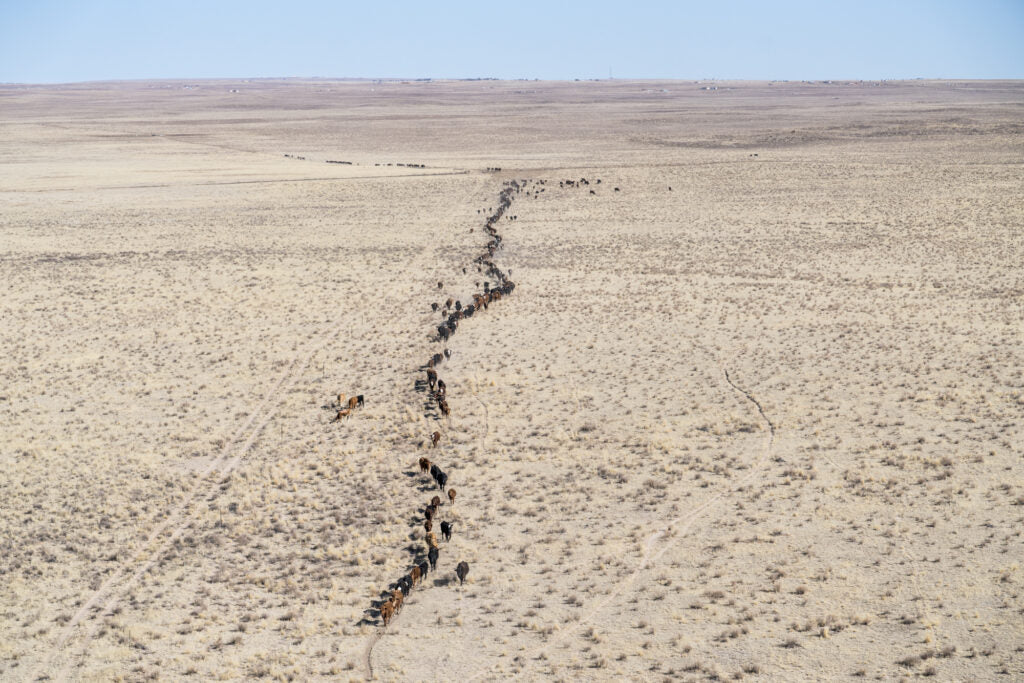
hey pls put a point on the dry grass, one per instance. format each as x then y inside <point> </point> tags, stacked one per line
<point>183,301</point>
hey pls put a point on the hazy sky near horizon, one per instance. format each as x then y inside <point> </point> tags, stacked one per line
<point>52,41</point>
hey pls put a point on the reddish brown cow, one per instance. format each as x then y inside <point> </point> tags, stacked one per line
<point>434,438</point>
<point>342,414</point>
<point>415,575</point>
<point>353,403</point>
<point>451,495</point>
<point>387,611</point>
<point>424,464</point>
<point>436,501</point>
<point>428,525</point>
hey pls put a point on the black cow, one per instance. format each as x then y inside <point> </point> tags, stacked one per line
<point>442,480</point>
<point>423,569</point>
<point>461,571</point>
<point>432,378</point>
<point>432,556</point>
<point>442,332</point>
<point>446,530</point>
<point>441,389</point>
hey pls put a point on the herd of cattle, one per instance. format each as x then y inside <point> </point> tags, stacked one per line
<point>452,312</point>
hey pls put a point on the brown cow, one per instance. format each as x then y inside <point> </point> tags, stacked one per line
<point>428,525</point>
<point>387,610</point>
<point>448,304</point>
<point>341,399</point>
<point>451,495</point>
<point>424,464</point>
<point>432,378</point>
<point>431,539</point>
<point>436,501</point>
<point>342,414</point>
<point>430,512</point>
<point>415,575</point>
<point>444,408</point>
<point>434,438</point>
<point>353,403</point>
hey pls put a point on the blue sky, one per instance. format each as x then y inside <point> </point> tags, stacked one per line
<point>46,41</point>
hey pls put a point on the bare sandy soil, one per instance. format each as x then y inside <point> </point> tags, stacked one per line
<point>754,411</point>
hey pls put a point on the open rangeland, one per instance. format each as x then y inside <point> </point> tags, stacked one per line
<point>754,408</point>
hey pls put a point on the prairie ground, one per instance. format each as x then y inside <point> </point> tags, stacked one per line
<point>754,410</point>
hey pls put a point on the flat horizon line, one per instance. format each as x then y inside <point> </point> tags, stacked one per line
<point>447,79</point>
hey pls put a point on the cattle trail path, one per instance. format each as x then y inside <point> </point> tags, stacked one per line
<point>506,196</point>
<point>178,520</point>
<point>676,529</point>
<point>368,653</point>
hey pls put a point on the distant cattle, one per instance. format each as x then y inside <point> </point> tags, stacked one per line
<point>451,495</point>
<point>353,403</point>
<point>446,530</point>
<point>442,480</point>
<point>423,569</point>
<point>440,285</point>
<point>361,400</point>
<point>436,501</point>
<point>461,571</point>
<point>342,414</point>
<point>429,512</point>
<point>443,332</point>
<point>415,575</point>
<point>441,387</point>
<point>428,526</point>
<point>447,353</point>
<point>432,556</point>
<point>448,304</point>
<point>434,438</point>
<point>424,464</point>
<point>431,539</point>
<point>432,378</point>
<point>445,410</point>
<point>434,469</point>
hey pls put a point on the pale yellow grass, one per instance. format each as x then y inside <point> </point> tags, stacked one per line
<point>182,301</point>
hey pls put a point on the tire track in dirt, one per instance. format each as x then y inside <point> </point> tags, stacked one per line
<point>677,529</point>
